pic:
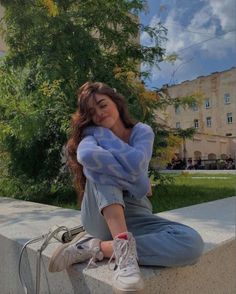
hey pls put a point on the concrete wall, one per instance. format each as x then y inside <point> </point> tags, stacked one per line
<point>214,273</point>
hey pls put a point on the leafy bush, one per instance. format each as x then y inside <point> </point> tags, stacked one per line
<point>54,47</point>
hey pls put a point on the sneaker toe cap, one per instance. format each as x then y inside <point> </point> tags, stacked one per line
<point>129,283</point>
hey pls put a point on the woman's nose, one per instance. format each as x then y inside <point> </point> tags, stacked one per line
<point>99,112</point>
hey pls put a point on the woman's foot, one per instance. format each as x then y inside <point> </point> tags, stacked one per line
<point>83,247</point>
<point>127,276</point>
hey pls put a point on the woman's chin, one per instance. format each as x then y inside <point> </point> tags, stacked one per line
<point>107,124</point>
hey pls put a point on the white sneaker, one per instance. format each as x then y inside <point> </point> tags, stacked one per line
<point>81,248</point>
<point>127,277</point>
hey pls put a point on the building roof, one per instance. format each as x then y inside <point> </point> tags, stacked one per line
<point>200,77</point>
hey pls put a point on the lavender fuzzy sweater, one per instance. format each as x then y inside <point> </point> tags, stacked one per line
<point>106,159</point>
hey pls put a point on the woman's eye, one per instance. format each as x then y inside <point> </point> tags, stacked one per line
<point>103,106</point>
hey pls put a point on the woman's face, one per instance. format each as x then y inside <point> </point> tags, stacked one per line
<point>103,111</point>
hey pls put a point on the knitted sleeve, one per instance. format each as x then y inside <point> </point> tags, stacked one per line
<point>134,157</point>
<point>108,160</point>
<point>96,159</point>
<point>100,166</point>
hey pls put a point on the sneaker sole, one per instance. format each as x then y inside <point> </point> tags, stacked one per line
<point>118,291</point>
<point>51,266</point>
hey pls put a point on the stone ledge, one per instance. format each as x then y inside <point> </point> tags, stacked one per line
<point>214,273</point>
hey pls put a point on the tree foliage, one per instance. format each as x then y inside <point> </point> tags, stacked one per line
<point>54,46</point>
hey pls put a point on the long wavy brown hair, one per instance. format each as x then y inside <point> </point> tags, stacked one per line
<point>82,119</point>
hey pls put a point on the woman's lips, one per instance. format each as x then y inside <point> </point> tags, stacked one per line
<point>102,119</point>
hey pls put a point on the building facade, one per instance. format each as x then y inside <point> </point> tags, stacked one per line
<point>213,116</point>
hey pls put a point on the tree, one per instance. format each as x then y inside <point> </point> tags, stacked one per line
<point>54,47</point>
<point>185,134</point>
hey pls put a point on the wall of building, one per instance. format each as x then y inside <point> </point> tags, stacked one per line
<point>219,138</point>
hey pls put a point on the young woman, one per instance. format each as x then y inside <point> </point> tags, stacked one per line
<point>109,156</point>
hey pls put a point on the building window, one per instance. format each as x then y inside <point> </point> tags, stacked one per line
<point>229,118</point>
<point>177,109</point>
<point>208,121</point>
<point>227,98</point>
<point>207,103</point>
<point>194,106</point>
<point>177,125</point>
<point>196,124</point>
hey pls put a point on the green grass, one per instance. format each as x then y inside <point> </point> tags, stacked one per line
<point>190,189</point>
<point>187,189</point>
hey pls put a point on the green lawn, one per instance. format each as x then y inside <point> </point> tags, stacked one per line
<point>186,189</point>
<point>189,189</point>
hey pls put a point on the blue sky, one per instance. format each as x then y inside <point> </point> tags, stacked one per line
<point>201,32</point>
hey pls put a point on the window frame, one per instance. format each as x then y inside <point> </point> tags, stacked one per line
<point>177,109</point>
<point>208,119</point>
<point>229,118</point>
<point>196,123</point>
<point>179,125</point>
<point>207,105</point>
<point>227,98</point>
<point>194,106</point>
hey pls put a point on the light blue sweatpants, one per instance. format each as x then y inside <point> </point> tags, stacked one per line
<point>160,242</point>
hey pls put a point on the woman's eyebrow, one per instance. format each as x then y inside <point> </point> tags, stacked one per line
<point>98,102</point>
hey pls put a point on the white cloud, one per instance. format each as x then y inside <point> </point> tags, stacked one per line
<point>197,38</point>
<point>225,11</point>
<point>206,23</point>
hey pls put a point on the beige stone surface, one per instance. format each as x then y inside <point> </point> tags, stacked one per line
<point>213,274</point>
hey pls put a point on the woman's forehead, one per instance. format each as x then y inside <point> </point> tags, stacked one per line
<point>96,99</point>
<point>99,97</point>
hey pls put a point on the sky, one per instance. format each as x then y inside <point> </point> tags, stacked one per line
<point>201,32</point>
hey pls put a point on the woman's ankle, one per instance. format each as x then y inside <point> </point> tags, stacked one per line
<point>107,248</point>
